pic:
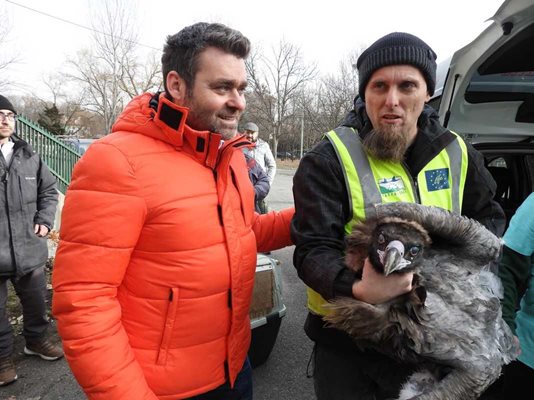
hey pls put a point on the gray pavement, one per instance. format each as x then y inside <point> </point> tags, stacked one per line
<point>39,379</point>
<point>282,377</point>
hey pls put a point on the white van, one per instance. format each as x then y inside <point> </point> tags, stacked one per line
<point>485,92</point>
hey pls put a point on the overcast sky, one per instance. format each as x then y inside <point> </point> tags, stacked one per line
<point>326,31</point>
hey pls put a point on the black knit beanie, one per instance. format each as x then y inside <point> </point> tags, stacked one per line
<point>395,49</point>
<point>5,104</point>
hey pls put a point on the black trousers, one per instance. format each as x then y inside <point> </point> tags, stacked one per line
<point>346,375</point>
<point>242,389</point>
<point>31,290</point>
<point>350,374</point>
<point>261,206</point>
<point>516,382</point>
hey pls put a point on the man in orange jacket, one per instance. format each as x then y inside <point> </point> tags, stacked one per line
<point>154,272</point>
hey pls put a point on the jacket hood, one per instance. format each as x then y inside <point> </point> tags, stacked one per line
<point>358,119</point>
<point>156,116</point>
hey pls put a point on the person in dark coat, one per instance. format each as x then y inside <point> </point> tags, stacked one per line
<point>28,200</point>
<point>259,180</point>
<point>390,148</point>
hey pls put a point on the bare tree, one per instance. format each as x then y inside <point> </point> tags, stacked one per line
<point>101,87</point>
<point>335,94</point>
<point>28,105</point>
<point>69,103</point>
<point>275,82</point>
<point>324,105</point>
<point>140,77</point>
<point>110,71</point>
<point>5,59</point>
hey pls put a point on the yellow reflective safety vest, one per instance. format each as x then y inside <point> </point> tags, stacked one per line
<point>370,181</point>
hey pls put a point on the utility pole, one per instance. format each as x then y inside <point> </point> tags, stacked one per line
<point>301,135</point>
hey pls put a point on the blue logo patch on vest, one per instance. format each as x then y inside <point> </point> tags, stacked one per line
<point>437,179</point>
<point>391,185</point>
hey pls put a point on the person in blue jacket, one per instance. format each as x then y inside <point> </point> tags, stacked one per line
<point>260,181</point>
<point>517,275</point>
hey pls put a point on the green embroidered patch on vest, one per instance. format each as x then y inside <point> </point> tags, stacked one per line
<point>389,186</point>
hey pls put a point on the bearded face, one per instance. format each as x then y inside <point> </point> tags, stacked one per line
<point>216,99</point>
<point>394,99</point>
<point>388,144</point>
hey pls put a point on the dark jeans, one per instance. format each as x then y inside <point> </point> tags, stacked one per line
<point>516,382</point>
<point>31,290</point>
<point>242,389</point>
<point>351,374</point>
<point>261,207</point>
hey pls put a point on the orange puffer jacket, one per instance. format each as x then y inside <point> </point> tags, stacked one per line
<point>154,272</point>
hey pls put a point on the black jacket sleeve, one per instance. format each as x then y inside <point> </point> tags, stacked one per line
<point>479,190</point>
<point>317,228</point>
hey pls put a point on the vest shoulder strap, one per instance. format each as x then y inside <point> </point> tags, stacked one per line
<point>357,171</point>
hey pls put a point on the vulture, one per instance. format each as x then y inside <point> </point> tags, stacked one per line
<point>449,326</point>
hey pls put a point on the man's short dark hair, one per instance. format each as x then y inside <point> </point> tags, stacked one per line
<point>181,51</point>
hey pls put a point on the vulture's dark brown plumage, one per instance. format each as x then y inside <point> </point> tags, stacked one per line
<point>450,323</point>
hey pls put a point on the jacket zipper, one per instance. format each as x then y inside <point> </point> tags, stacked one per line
<point>413,182</point>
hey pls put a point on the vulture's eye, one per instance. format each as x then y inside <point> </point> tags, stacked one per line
<point>414,250</point>
<point>381,238</point>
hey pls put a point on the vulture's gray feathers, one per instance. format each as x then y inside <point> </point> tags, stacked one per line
<point>450,323</point>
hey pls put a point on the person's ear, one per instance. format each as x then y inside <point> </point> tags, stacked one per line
<point>176,87</point>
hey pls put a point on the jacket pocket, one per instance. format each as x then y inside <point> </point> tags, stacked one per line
<point>28,188</point>
<point>168,328</point>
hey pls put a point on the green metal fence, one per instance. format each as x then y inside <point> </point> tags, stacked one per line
<point>59,156</point>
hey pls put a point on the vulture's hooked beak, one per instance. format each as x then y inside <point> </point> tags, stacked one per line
<point>393,257</point>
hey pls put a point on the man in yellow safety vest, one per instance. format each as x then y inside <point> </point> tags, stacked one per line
<point>391,147</point>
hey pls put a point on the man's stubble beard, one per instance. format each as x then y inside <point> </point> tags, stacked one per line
<point>206,120</point>
<point>201,122</point>
<point>386,146</point>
